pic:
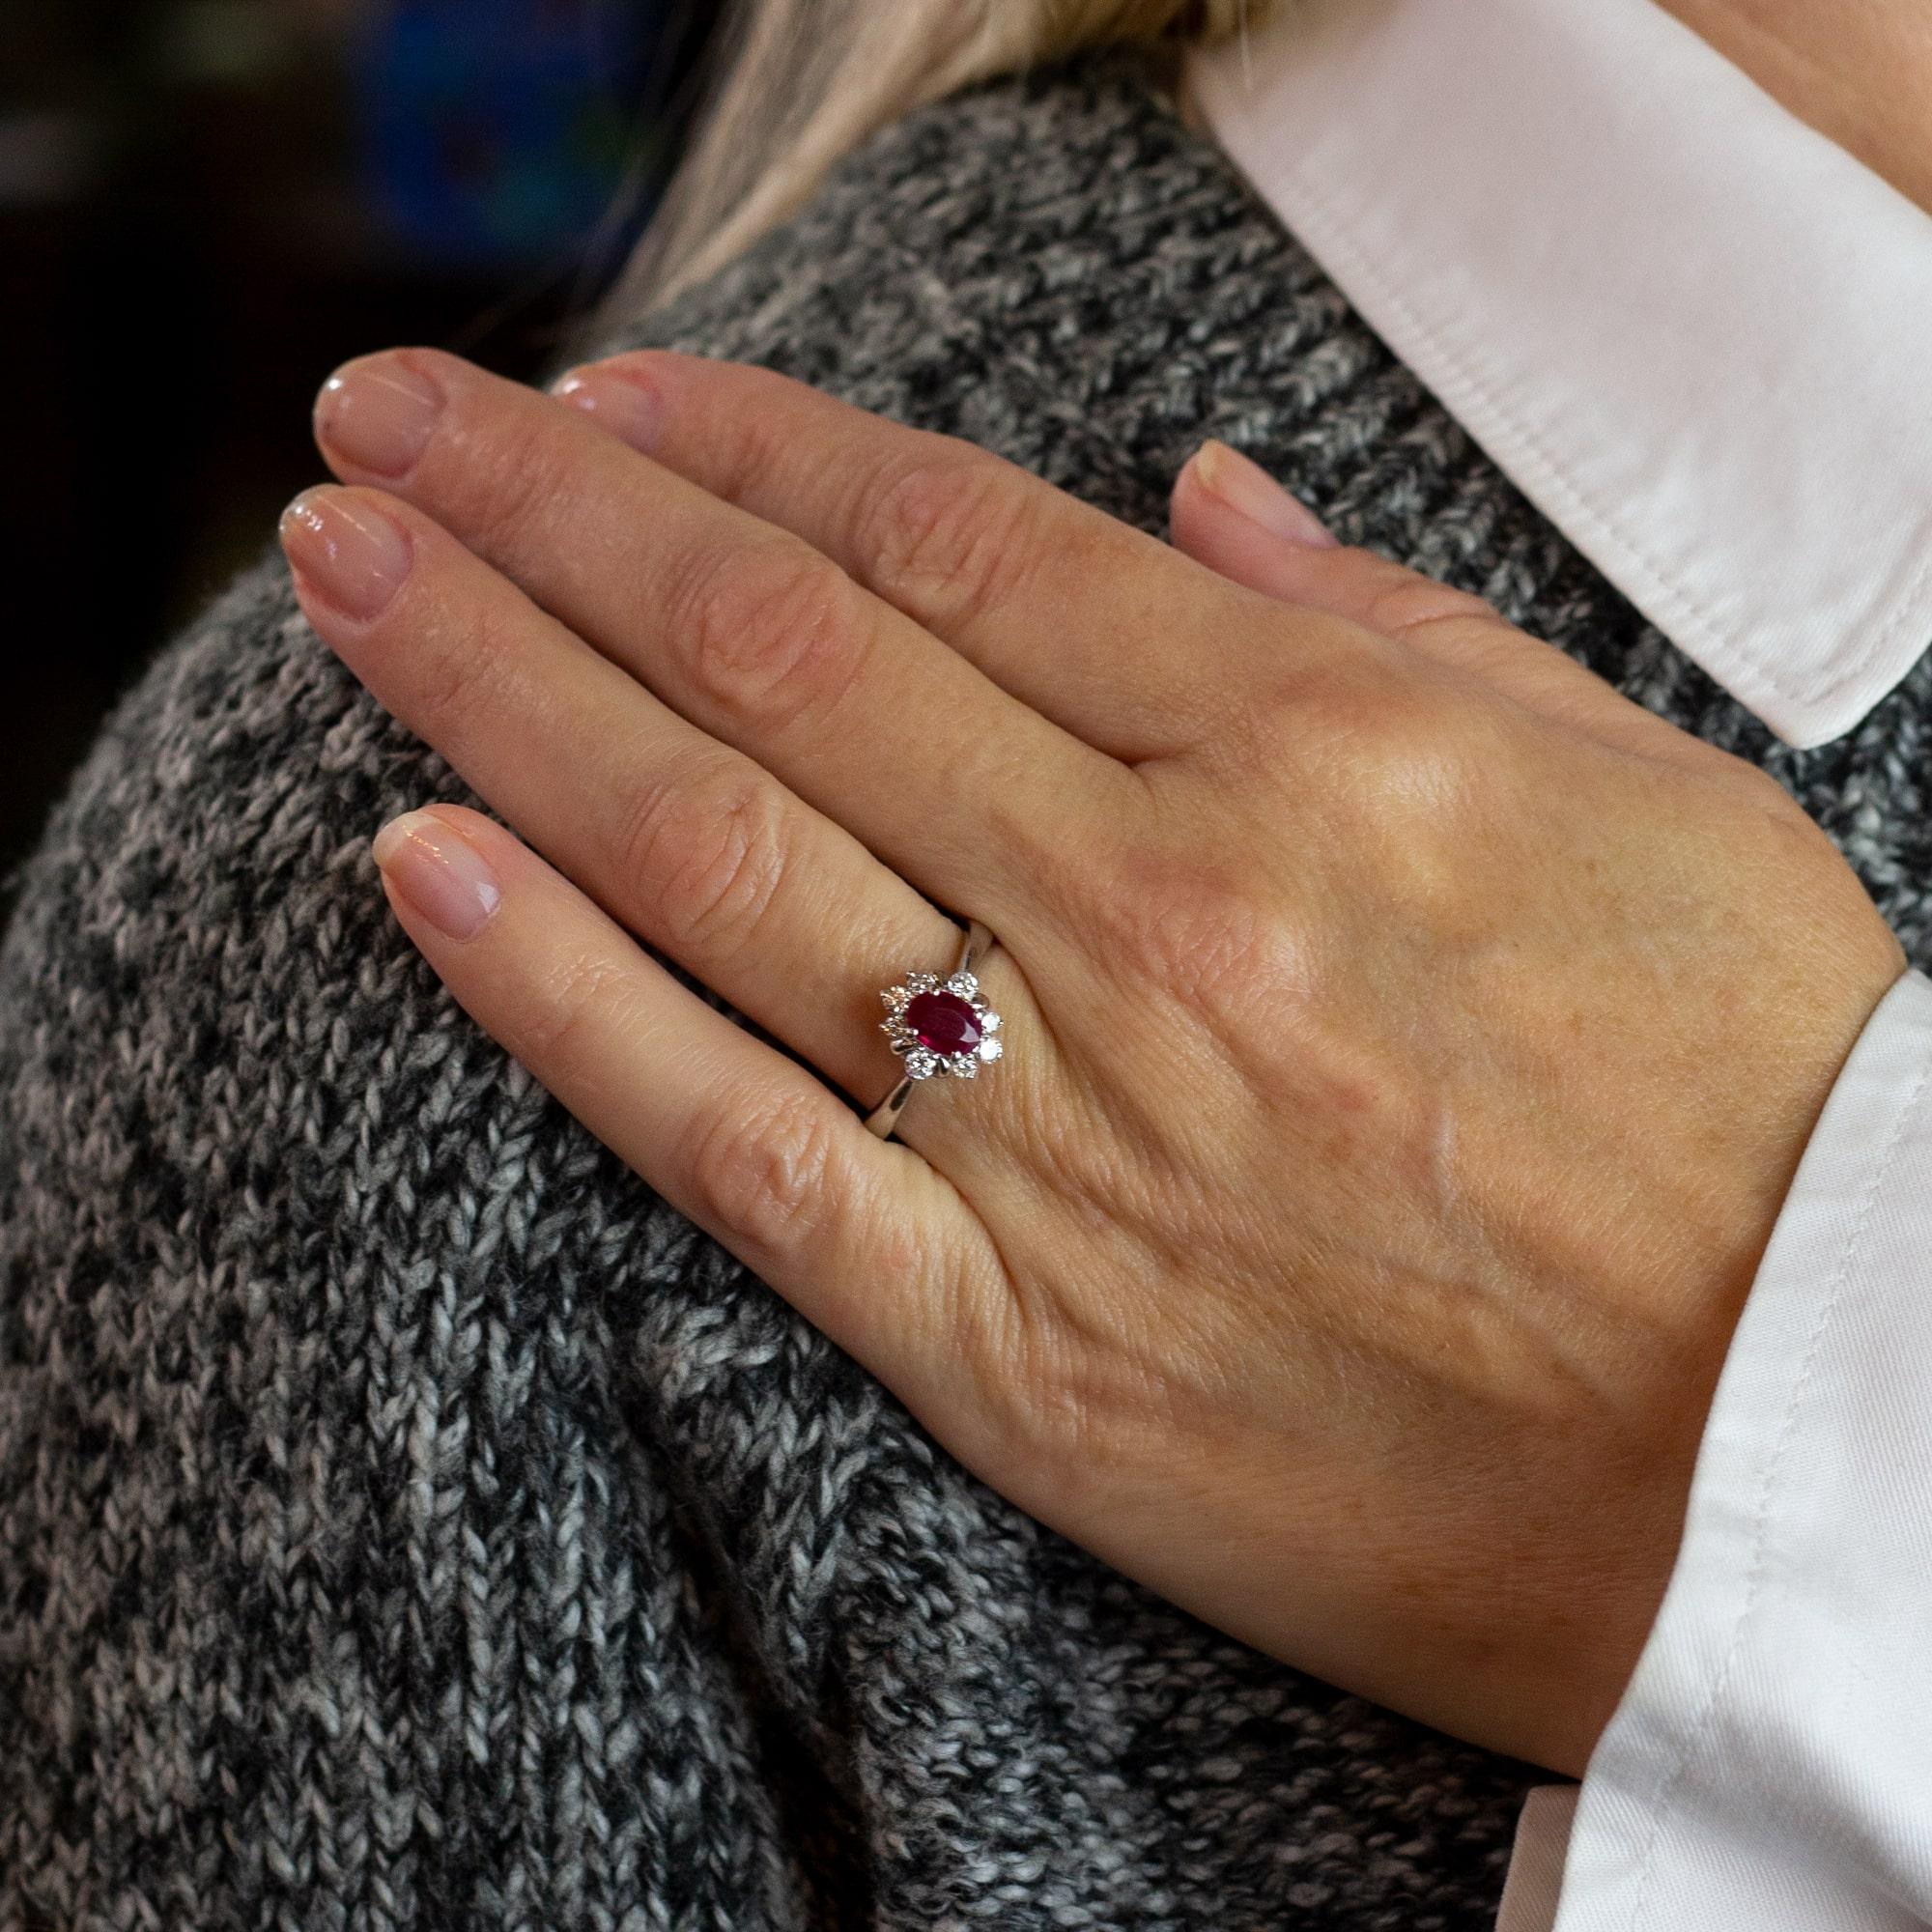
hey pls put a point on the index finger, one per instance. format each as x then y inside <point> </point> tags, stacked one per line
<point>1094,624</point>
<point>746,631</point>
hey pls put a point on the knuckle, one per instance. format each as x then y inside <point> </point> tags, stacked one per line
<point>1081,1392</point>
<point>514,473</point>
<point>571,1009</point>
<point>765,629</point>
<point>646,366</point>
<point>946,536</point>
<point>709,850</point>
<point>1307,727</point>
<point>457,670</point>
<point>1041,1381</point>
<point>751,425</point>
<point>1365,736</point>
<point>1206,942</point>
<point>762,1168</point>
<point>1413,774</point>
<point>1406,602</point>
<point>744,416</point>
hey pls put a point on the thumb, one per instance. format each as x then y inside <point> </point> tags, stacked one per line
<point>1228,513</point>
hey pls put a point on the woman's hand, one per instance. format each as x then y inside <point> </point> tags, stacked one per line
<point>1408,1040</point>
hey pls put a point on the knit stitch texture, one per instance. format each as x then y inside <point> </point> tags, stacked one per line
<point>407,1520</point>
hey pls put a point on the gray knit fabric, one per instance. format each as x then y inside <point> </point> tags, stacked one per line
<point>405,1520</point>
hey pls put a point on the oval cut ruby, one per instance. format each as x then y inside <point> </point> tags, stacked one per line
<point>943,1023</point>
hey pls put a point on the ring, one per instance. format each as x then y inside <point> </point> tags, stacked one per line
<point>937,1026</point>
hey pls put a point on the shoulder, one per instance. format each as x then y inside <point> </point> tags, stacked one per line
<point>1039,265</point>
<point>214,1037</point>
<point>228,794</point>
<point>149,829</point>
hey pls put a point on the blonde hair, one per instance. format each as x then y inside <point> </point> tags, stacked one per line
<point>801,82</point>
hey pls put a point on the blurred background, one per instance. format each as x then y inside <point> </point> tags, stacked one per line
<point>205,205</point>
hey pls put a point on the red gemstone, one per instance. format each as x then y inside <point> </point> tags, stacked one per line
<point>943,1023</point>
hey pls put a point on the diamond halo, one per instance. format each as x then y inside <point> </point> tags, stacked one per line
<point>941,1025</point>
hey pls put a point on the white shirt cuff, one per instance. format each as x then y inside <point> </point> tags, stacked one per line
<point>1770,1766</point>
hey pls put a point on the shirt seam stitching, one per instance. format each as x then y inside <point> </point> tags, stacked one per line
<point>1855,1237</point>
<point>1460,365</point>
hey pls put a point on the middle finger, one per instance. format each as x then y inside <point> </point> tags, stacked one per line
<point>690,845</point>
<point>747,630</point>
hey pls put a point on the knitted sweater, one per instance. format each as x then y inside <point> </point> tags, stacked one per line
<point>406,1519</point>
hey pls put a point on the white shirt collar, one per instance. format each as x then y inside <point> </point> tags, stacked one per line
<point>1695,332</point>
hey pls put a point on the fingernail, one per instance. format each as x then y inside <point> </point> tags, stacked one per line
<point>377,414</point>
<point>624,405</point>
<point>354,556</point>
<point>1249,491</point>
<point>438,873</point>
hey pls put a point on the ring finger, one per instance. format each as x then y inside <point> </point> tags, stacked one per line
<point>752,1148</point>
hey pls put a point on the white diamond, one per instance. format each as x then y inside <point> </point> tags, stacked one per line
<point>989,1022</point>
<point>963,1065</point>
<point>964,985</point>
<point>920,1063</point>
<point>990,1049</point>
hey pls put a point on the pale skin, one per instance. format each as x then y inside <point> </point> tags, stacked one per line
<point>1410,1041</point>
